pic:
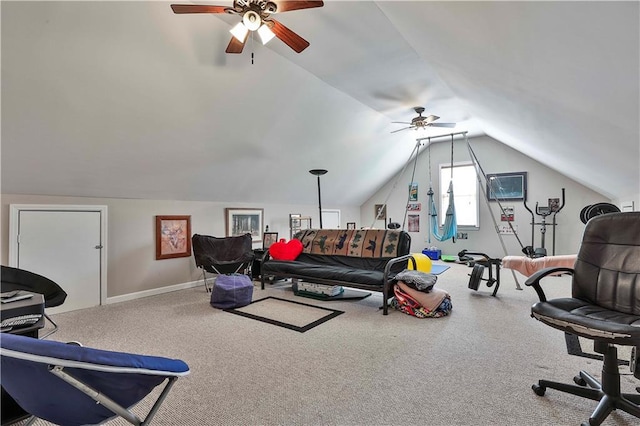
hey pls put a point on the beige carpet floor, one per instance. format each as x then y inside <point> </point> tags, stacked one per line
<point>474,367</point>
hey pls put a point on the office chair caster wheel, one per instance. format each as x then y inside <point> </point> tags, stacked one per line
<point>539,390</point>
<point>578,380</point>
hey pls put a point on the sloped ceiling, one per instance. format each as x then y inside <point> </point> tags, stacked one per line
<point>128,100</point>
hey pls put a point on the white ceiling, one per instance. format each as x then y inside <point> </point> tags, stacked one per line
<point>128,100</point>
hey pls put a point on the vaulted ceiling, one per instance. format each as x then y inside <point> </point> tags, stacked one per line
<point>129,100</point>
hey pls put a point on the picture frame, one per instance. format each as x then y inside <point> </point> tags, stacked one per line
<point>269,238</point>
<point>351,225</point>
<point>240,221</point>
<point>380,212</point>
<point>507,186</point>
<point>414,207</point>
<point>413,223</point>
<point>413,191</point>
<point>507,215</point>
<point>173,237</point>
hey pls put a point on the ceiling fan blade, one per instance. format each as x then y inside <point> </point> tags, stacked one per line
<point>198,8</point>
<point>431,118</point>
<point>235,46</point>
<point>289,38</point>
<point>404,128</point>
<point>400,122</point>
<point>286,6</point>
<point>442,125</point>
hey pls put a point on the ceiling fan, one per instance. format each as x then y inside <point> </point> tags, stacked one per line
<point>420,122</point>
<point>256,17</point>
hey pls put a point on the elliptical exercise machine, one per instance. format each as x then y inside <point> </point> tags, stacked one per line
<point>552,209</point>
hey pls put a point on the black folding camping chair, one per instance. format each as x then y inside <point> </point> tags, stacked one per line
<point>222,255</point>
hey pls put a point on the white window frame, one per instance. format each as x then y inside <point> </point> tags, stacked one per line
<point>444,177</point>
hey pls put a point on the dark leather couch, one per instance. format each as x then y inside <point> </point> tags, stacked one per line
<point>365,259</point>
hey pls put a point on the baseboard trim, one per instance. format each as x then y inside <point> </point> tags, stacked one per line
<point>152,292</point>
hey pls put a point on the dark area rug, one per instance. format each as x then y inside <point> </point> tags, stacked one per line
<point>285,313</point>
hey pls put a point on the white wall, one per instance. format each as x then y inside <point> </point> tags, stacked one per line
<point>494,157</point>
<point>131,241</point>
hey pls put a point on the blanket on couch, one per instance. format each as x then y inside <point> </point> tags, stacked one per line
<point>351,242</point>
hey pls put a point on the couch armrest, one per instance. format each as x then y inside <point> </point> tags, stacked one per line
<point>386,289</point>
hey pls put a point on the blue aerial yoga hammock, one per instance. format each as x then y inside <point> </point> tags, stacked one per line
<point>450,227</point>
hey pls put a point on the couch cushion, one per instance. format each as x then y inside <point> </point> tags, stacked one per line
<point>340,274</point>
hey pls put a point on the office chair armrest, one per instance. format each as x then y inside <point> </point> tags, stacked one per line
<point>534,280</point>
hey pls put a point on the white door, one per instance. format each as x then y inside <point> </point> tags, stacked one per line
<point>64,246</point>
<point>330,219</point>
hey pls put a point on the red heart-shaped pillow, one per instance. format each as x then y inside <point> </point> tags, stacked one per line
<point>285,251</point>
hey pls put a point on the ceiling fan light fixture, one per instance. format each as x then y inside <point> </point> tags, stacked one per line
<point>265,34</point>
<point>239,32</point>
<point>251,20</point>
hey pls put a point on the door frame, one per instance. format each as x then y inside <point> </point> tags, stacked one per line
<point>14,215</point>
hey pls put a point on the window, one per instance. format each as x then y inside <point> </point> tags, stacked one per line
<point>465,193</point>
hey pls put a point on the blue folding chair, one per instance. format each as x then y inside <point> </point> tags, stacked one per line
<point>72,385</point>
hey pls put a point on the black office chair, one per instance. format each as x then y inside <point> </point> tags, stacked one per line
<point>222,255</point>
<point>20,279</point>
<point>604,307</point>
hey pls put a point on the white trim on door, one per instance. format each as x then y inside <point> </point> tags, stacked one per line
<point>14,212</point>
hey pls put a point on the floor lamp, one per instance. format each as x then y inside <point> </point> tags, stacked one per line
<point>318,173</point>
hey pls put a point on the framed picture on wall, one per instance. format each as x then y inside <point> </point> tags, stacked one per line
<point>173,237</point>
<point>351,225</point>
<point>506,186</point>
<point>268,239</point>
<point>414,207</point>
<point>413,223</point>
<point>380,212</point>
<point>507,214</point>
<point>413,191</point>
<point>240,221</point>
